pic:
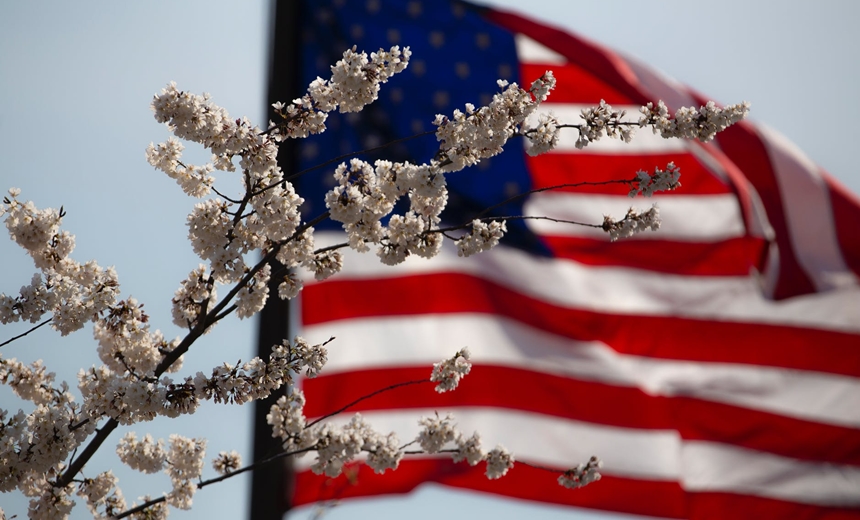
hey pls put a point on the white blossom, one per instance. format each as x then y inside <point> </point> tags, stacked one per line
<point>384,452</point>
<point>467,137</point>
<point>336,445</point>
<point>449,372</point>
<point>469,449</point>
<point>194,294</point>
<point>603,120</point>
<point>182,494</point>
<point>691,123</point>
<point>436,432</point>
<point>194,180</point>
<point>184,464</point>
<point>325,264</point>
<point>310,358</point>
<point>499,461</point>
<point>660,180</point>
<point>632,223</point>
<point>227,462</point>
<point>104,499</point>
<point>582,475</point>
<point>54,502</point>
<point>354,83</point>
<point>543,137</point>
<point>290,286</point>
<point>286,416</point>
<point>482,236</point>
<point>145,455</point>
<point>252,297</point>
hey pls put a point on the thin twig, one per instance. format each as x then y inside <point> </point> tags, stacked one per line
<point>368,396</point>
<point>548,188</point>
<point>19,336</point>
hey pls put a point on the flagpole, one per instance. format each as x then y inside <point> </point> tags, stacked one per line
<point>271,484</point>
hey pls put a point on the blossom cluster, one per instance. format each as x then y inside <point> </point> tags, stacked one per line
<point>449,372</point>
<point>582,475</point>
<point>182,461</point>
<point>72,292</point>
<point>701,123</point>
<point>354,83</point>
<point>34,445</point>
<point>477,134</point>
<point>661,180</point>
<point>365,193</point>
<point>482,236</point>
<point>691,123</point>
<point>632,223</point>
<point>227,462</point>
<point>103,497</point>
<point>603,120</point>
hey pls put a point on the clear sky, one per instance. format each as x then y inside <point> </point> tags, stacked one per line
<point>76,80</point>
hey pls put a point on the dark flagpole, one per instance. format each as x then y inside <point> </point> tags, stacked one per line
<point>271,484</point>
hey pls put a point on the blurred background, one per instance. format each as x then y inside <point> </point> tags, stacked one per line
<point>76,80</point>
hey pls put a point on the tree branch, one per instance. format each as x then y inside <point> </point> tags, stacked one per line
<point>204,483</point>
<point>19,336</point>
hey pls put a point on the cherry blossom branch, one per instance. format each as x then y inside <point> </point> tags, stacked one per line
<point>32,329</point>
<point>213,315</point>
<point>92,447</point>
<point>208,319</point>
<point>202,484</point>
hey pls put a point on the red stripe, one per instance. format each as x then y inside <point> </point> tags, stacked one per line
<point>574,85</point>
<point>553,169</point>
<point>597,61</point>
<point>665,499</point>
<point>672,337</point>
<point>611,405</point>
<point>732,257</point>
<point>639,497</point>
<point>846,216</point>
<point>720,506</point>
<point>742,144</point>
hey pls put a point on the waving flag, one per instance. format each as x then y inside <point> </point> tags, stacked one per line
<point>713,365</point>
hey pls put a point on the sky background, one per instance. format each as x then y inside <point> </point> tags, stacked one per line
<point>76,80</point>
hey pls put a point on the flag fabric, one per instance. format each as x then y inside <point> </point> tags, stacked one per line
<point>714,365</point>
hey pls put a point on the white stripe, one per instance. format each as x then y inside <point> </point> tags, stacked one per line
<point>700,218</point>
<point>809,216</point>
<point>644,140</point>
<point>530,51</point>
<point>716,467</point>
<point>641,454</point>
<point>617,289</point>
<point>379,343</point>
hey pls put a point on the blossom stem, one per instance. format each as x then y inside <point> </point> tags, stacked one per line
<point>549,188</point>
<point>19,336</point>
<point>362,398</point>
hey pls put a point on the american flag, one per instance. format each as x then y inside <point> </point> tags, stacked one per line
<point>713,365</point>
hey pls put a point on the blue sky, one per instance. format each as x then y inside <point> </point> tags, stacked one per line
<point>76,80</point>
